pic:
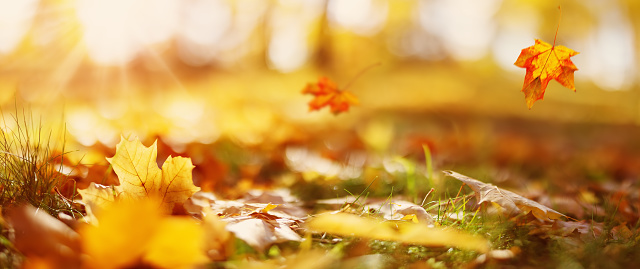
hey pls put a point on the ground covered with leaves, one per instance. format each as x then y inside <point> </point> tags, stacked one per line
<point>428,190</point>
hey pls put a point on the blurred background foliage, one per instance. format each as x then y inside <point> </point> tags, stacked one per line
<point>198,71</point>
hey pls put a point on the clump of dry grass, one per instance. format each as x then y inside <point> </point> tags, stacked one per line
<point>31,165</point>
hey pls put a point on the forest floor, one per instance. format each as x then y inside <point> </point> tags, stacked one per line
<point>289,201</point>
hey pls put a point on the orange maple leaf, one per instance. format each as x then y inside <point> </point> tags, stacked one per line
<point>326,93</point>
<point>545,62</point>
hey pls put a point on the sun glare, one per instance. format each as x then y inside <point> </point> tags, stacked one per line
<point>116,31</point>
<point>15,20</point>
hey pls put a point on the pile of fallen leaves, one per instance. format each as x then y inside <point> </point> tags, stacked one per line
<point>158,218</point>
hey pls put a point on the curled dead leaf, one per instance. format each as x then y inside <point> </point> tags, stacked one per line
<point>258,224</point>
<point>513,203</point>
<point>40,236</point>
<point>219,241</point>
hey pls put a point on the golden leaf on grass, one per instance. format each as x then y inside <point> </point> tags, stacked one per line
<point>511,202</point>
<point>130,232</point>
<point>140,177</point>
<point>351,225</point>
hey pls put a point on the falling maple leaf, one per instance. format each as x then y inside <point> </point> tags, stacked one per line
<point>545,62</point>
<point>326,93</point>
<point>511,202</point>
<point>140,177</point>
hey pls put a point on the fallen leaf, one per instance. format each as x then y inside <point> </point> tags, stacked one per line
<point>130,232</point>
<point>262,233</point>
<point>122,234</point>
<point>258,224</point>
<point>511,202</point>
<point>498,255</point>
<point>545,62</point>
<point>406,232</point>
<point>97,196</point>
<point>399,209</point>
<point>178,243</point>
<point>203,203</point>
<point>44,239</point>
<point>140,177</point>
<point>326,93</point>
<point>309,259</point>
<point>219,242</point>
<point>268,208</point>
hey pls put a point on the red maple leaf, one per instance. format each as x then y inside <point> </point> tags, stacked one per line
<point>326,93</point>
<point>545,62</point>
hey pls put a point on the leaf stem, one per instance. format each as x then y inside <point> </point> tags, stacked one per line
<point>554,40</point>
<point>558,27</point>
<point>360,74</point>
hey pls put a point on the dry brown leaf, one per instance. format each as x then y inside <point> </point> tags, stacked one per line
<point>399,209</point>
<point>511,202</point>
<point>258,224</point>
<point>40,236</point>
<point>262,233</point>
<point>219,242</point>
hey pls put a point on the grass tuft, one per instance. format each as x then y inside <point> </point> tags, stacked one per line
<point>30,166</point>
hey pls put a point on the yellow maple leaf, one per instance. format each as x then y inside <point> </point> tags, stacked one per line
<point>136,168</point>
<point>176,185</point>
<point>141,178</point>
